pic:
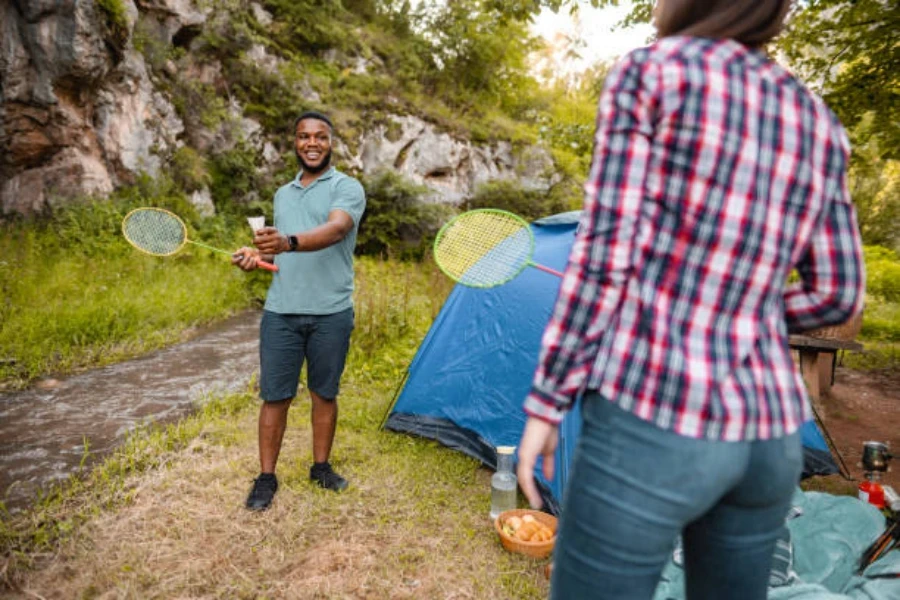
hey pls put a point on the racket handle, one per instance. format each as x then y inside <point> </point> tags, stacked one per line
<point>546,269</point>
<point>260,263</point>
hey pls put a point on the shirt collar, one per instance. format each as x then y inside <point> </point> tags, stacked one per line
<point>326,175</point>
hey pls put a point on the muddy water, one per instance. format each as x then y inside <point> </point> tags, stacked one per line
<point>43,429</point>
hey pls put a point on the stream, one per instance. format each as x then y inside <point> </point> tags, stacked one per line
<point>43,429</point>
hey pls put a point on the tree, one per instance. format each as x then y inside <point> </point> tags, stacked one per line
<point>479,49</point>
<point>848,51</point>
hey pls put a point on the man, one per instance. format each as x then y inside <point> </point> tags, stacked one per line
<point>308,311</point>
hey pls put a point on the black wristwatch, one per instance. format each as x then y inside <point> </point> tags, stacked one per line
<point>292,243</point>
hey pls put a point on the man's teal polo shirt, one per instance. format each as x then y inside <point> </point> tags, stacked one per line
<point>320,282</point>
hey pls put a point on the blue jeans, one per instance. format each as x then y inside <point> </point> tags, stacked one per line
<point>634,487</point>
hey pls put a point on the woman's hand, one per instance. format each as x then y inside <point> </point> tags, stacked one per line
<point>245,258</point>
<point>538,439</point>
<point>269,240</point>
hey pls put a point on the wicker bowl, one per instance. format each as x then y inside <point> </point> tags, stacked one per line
<point>533,549</point>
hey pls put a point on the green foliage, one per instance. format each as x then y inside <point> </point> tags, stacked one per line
<point>511,196</point>
<point>116,21</point>
<point>76,293</point>
<point>848,50</point>
<point>233,175</point>
<point>198,104</point>
<point>480,54</point>
<point>881,322</point>
<point>875,188</point>
<point>188,168</point>
<point>114,11</point>
<point>311,26</point>
<point>881,318</point>
<point>398,221</point>
<point>395,303</point>
<point>883,273</point>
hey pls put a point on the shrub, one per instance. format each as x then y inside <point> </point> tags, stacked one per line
<point>189,169</point>
<point>883,273</point>
<point>233,175</point>
<point>529,204</point>
<point>397,222</point>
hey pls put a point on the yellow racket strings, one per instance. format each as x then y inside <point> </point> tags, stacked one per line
<point>484,248</point>
<point>154,231</point>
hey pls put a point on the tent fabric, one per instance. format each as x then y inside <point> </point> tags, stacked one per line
<point>466,384</point>
<point>828,538</point>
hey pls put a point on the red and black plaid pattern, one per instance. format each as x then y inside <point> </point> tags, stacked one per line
<point>715,174</point>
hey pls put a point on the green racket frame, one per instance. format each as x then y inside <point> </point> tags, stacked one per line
<point>505,216</point>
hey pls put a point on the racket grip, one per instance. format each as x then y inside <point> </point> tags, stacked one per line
<point>266,265</point>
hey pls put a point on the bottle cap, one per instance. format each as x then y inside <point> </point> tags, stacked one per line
<point>506,449</point>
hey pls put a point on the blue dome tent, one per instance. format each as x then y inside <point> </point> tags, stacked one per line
<point>467,382</point>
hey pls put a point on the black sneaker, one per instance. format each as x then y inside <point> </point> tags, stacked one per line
<point>328,479</point>
<point>264,488</point>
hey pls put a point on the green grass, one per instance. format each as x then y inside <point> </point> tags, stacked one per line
<point>75,294</point>
<point>881,320</point>
<point>416,507</point>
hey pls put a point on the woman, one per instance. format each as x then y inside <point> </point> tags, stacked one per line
<point>715,174</point>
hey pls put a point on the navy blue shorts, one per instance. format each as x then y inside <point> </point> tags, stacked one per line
<point>286,341</point>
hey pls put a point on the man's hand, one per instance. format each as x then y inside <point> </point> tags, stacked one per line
<point>245,258</point>
<point>269,240</point>
<point>539,439</point>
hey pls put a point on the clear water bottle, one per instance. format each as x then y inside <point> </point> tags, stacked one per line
<point>503,482</point>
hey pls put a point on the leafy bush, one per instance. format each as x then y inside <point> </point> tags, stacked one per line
<point>883,273</point>
<point>529,204</point>
<point>310,26</point>
<point>233,175</point>
<point>189,169</point>
<point>397,222</point>
<point>75,293</point>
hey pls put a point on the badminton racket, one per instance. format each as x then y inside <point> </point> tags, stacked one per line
<point>485,248</point>
<point>159,232</point>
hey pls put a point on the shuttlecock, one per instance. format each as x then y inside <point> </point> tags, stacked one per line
<point>256,223</point>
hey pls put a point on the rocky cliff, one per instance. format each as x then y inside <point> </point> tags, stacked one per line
<point>84,108</point>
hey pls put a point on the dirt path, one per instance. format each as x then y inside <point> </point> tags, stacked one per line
<point>863,406</point>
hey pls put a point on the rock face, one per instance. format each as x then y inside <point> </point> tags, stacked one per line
<point>81,112</point>
<point>452,168</point>
<point>78,115</point>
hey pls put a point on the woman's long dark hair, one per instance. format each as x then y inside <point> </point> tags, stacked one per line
<point>751,22</point>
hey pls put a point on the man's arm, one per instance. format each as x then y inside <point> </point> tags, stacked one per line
<point>270,241</point>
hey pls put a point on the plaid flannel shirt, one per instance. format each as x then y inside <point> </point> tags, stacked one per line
<point>715,173</point>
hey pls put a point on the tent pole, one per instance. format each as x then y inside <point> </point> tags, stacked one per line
<point>845,472</point>
<point>393,400</point>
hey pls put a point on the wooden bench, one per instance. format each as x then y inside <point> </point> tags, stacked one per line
<point>818,374</point>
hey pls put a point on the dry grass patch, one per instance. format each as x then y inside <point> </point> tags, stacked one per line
<point>412,525</point>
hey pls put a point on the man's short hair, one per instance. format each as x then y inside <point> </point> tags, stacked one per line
<point>313,114</point>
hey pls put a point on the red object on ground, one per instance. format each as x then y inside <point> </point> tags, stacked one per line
<point>872,492</point>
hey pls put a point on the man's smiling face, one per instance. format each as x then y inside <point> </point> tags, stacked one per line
<point>312,143</point>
